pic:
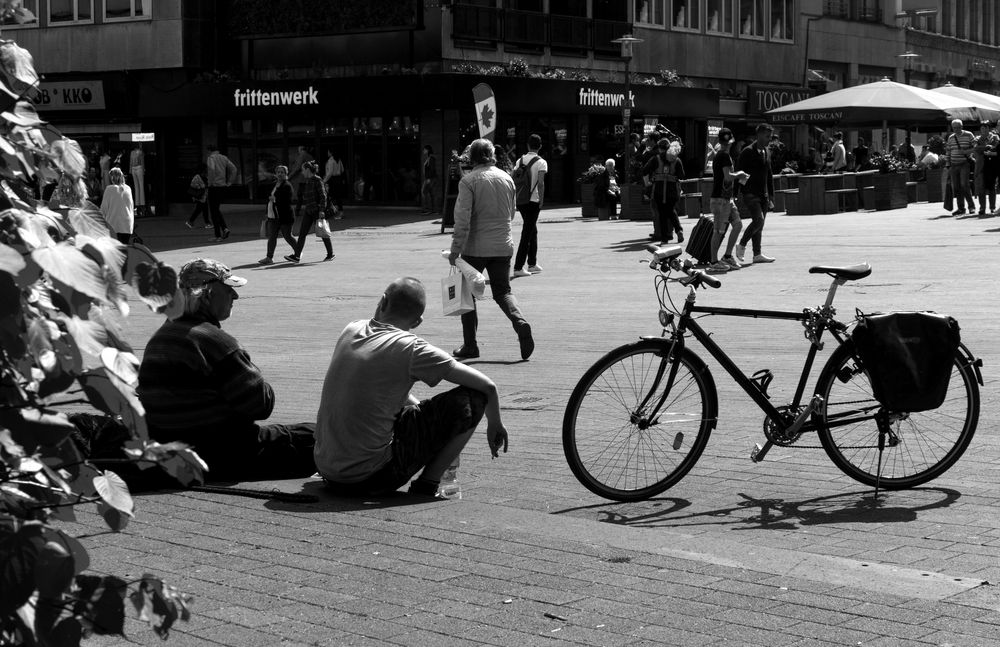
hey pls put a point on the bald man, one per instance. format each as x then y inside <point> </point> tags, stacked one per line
<point>960,145</point>
<point>372,435</point>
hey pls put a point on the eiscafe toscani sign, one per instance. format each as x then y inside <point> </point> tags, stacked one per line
<point>277,98</point>
<point>591,98</point>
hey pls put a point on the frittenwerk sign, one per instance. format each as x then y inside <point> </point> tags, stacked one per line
<point>277,98</point>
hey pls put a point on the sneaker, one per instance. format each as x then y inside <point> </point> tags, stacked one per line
<point>189,225</point>
<point>521,272</point>
<point>225,234</point>
<point>217,239</point>
<point>960,212</point>
<point>982,212</point>
<point>329,257</point>
<point>267,260</point>
<point>760,258</point>
<point>731,262</point>
<point>292,258</point>
<point>534,269</point>
<point>465,352</point>
<point>209,226</point>
<point>996,212</point>
<point>739,253</point>
<point>718,267</point>
<point>526,341</point>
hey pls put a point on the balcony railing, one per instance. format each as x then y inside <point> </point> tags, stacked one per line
<point>865,11</point>
<point>535,29</point>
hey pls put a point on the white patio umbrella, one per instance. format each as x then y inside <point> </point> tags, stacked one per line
<point>969,95</point>
<point>884,102</point>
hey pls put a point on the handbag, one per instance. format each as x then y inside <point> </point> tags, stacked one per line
<point>263,227</point>
<point>323,228</point>
<point>456,294</point>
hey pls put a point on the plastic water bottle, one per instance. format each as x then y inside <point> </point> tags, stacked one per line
<point>449,488</point>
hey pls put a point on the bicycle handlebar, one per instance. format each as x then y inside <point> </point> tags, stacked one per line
<point>666,258</point>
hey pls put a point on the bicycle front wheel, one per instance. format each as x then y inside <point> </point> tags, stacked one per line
<point>619,443</point>
<point>921,445</point>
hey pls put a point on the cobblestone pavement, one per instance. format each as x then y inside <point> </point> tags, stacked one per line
<point>785,552</point>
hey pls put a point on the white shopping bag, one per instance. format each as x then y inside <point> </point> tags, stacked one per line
<point>456,294</point>
<point>475,277</point>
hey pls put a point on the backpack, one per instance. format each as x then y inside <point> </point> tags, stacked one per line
<point>908,357</point>
<point>522,181</point>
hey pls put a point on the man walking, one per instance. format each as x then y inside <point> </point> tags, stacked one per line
<point>482,237</point>
<point>428,187</point>
<point>755,197</point>
<point>221,174</point>
<point>724,210</point>
<point>959,145</point>
<point>535,169</point>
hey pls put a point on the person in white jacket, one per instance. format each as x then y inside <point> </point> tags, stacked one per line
<point>117,206</point>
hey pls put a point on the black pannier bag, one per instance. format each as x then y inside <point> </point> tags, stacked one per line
<point>908,356</point>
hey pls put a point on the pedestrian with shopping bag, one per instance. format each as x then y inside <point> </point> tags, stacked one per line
<point>312,208</point>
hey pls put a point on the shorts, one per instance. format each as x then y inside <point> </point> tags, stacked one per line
<point>725,212</point>
<point>419,434</point>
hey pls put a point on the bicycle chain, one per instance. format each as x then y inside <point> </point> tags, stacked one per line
<point>797,446</point>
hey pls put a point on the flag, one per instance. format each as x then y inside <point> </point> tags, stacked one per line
<point>486,110</point>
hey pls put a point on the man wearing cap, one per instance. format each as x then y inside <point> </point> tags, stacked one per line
<point>198,386</point>
<point>959,146</point>
<point>372,434</point>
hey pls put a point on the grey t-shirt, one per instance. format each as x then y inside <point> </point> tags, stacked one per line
<point>374,366</point>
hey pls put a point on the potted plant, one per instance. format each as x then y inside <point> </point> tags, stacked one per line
<point>889,183</point>
<point>587,180</point>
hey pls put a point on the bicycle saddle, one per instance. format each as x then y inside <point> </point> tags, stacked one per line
<point>848,273</point>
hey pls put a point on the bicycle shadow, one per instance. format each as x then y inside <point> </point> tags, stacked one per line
<point>777,514</point>
<point>637,245</point>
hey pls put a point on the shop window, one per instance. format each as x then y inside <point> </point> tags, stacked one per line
<point>684,14</point>
<point>649,12</point>
<point>66,12</point>
<point>752,18</point>
<point>719,16</point>
<point>341,126</point>
<point>782,20</point>
<point>127,10</point>
<point>23,13</point>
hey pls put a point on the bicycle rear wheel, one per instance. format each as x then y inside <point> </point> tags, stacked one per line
<point>613,446</point>
<point>922,445</point>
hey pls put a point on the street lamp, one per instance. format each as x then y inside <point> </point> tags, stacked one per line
<point>908,57</point>
<point>626,42</point>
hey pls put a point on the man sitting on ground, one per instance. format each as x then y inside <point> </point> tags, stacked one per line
<point>198,386</point>
<point>372,435</point>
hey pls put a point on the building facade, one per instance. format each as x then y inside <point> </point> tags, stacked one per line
<point>376,80</point>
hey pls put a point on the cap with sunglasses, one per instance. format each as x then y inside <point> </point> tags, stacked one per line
<point>202,271</point>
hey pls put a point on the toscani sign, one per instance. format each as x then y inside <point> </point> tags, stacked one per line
<point>265,98</point>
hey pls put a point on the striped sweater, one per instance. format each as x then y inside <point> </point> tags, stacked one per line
<point>959,146</point>
<point>198,386</point>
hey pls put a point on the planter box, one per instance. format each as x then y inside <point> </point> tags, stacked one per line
<point>587,205</point>
<point>636,208</point>
<point>889,191</point>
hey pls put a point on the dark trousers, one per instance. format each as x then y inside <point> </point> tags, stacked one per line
<point>273,229</point>
<point>200,209</point>
<point>214,206</point>
<point>752,208</point>
<point>959,174</point>
<point>986,186</point>
<point>304,228</point>
<point>335,191</point>
<point>527,249</point>
<point>666,215</point>
<point>498,269</point>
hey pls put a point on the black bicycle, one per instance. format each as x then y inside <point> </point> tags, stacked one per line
<point>640,417</point>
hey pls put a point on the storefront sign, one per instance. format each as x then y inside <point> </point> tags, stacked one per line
<point>591,98</point>
<point>806,117</point>
<point>71,95</point>
<point>137,137</point>
<point>767,97</point>
<point>265,98</point>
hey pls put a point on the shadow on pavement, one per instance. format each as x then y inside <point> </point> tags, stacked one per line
<point>637,245</point>
<point>777,514</point>
<point>330,501</point>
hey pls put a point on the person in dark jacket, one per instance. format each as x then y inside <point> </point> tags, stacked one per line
<point>755,196</point>
<point>312,207</point>
<point>606,189</point>
<point>665,171</point>
<point>198,386</point>
<point>279,214</point>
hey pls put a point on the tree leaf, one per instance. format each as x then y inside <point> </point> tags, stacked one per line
<point>82,480</point>
<point>104,251</point>
<point>109,394</point>
<point>113,490</point>
<point>54,570</point>
<point>32,428</point>
<point>72,267</point>
<point>68,156</point>
<point>136,255</point>
<point>18,557</point>
<point>115,519</point>
<point>184,465</point>
<point>87,337</point>
<point>23,114</point>
<point>101,603</point>
<point>17,67</point>
<point>89,221</point>
<point>11,261</point>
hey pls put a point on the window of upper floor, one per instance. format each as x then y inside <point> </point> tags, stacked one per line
<point>772,20</point>
<point>685,15</point>
<point>119,10</point>
<point>21,14</point>
<point>70,12</point>
<point>752,19</point>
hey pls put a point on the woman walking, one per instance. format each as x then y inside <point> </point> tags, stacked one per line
<point>279,214</point>
<point>666,171</point>
<point>117,207</point>
<point>311,206</point>
<point>199,194</point>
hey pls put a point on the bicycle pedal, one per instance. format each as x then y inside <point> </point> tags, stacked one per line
<point>755,452</point>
